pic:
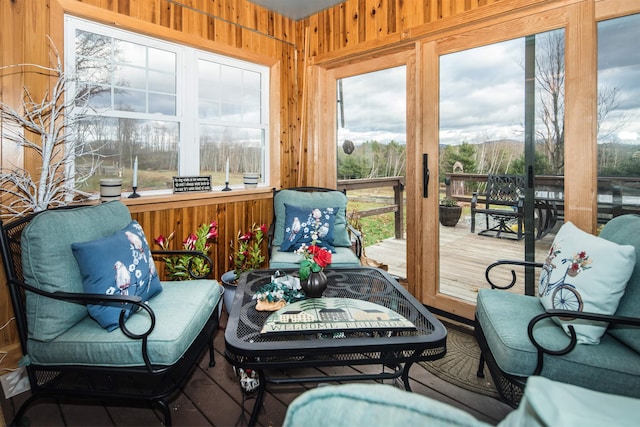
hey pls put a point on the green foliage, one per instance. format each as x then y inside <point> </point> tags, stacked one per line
<point>246,251</point>
<point>541,165</point>
<point>449,202</point>
<point>464,153</point>
<point>372,159</point>
<point>185,267</point>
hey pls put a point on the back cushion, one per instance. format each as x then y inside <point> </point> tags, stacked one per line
<point>316,199</point>
<point>625,230</point>
<point>49,264</point>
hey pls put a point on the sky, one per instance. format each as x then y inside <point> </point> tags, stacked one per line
<point>482,92</point>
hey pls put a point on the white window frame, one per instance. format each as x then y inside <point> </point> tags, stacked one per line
<point>187,91</point>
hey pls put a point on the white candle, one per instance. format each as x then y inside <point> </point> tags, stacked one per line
<point>226,179</point>
<point>135,173</point>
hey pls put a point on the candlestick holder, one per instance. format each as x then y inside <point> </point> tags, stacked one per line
<point>134,194</point>
<point>226,187</point>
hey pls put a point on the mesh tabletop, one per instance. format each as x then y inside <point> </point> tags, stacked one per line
<point>247,346</point>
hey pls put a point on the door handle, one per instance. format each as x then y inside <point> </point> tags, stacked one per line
<point>425,175</point>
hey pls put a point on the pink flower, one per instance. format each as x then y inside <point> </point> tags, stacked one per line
<point>213,231</point>
<point>190,242</point>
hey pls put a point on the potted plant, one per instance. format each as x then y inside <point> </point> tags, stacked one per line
<point>188,267</point>
<point>246,254</point>
<point>450,212</point>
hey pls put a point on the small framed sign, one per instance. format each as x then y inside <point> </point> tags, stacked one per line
<point>184,184</point>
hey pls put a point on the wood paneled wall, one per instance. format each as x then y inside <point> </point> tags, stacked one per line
<point>239,28</point>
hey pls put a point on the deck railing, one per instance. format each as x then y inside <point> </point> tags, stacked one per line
<point>616,195</point>
<point>397,182</point>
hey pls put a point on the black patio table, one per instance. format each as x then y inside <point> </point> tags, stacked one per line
<point>246,347</point>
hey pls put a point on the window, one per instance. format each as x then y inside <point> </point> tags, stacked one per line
<point>618,117</point>
<point>179,110</point>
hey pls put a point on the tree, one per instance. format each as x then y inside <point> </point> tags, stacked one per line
<point>549,75</point>
<point>464,153</point>
<point>541,165</point>
<point>47,128</point>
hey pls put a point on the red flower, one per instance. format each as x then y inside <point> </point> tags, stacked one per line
<point>321,256</point>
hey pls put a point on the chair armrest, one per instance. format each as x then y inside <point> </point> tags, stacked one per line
<point>192,255</point>
<point>570,315</point>
<point>357,236</point>
<point>513,273</point>
<point>98,299</point>
<point>474,200</point>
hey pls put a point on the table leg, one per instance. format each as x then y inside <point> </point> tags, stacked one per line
<point>405,375</point>
<point>262,387</point>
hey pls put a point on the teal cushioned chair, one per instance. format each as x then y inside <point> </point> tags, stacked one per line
<point>518,338</point>
<point>545,403</point>
<point>347,240</point>
<point>66,352</point>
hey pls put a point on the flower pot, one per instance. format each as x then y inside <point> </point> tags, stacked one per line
<point>250,179</point>
<point>110,189</point>
<point>315,284</point>
<point>449,215</point>
<point>229,283</point>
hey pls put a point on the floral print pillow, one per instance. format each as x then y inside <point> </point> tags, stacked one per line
<point>308,225</point>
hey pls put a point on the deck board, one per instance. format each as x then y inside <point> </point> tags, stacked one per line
<point>464,257</point>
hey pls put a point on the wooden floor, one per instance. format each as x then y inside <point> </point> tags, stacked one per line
<point>464,257</point>
<point>213,398</point>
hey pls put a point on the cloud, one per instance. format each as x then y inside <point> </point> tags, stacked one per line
<point>482,91</point>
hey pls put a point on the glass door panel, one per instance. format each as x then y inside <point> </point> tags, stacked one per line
<point>618,117</point>
<point>371,155</point>
<point>500,115</point>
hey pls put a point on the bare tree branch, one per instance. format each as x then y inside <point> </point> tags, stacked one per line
<point>53,120</point>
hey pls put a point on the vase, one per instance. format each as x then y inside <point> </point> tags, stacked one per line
<point>250,179</point>
<point>229,283</point>
<point>315,284</point>
<point>110,189</point>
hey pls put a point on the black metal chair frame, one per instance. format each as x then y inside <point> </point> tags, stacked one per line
<point>502,190</point>
<point>511,387</point>
<point>354,234</point>
<point>148,384</point>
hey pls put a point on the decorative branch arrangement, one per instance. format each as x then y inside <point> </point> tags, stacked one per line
<point>48,128</point>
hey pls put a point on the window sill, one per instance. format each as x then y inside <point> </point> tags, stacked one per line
<point>166,201</point>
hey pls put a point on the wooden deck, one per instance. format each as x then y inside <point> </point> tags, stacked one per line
<point>213,398</point>
<point>463,258</point>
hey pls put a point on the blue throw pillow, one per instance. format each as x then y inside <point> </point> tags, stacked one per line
<point>300,224</point>
<point>120,264</point>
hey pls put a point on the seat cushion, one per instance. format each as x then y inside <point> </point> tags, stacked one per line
<point>372,405</point>
<point>343,257</point>
<point>119,264</point>
<point>316,199</point>
<point>583,272</point>
<point>181,310</point>
<point>48,262</point>
<point>551,403</point>
<point>611,366</point>
<point>625,230</point>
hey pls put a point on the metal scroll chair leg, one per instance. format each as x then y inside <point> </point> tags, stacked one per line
<point>212,361</point>
<point>165,411</point>
<point>480,373</point>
